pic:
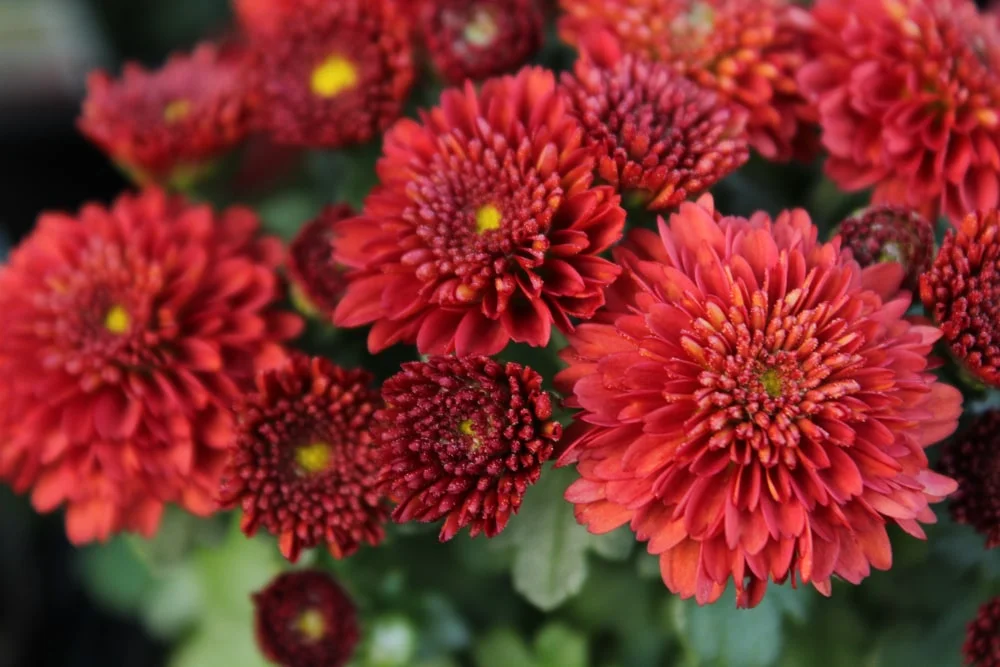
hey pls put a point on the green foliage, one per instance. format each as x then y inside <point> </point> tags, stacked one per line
<point>555,646</point>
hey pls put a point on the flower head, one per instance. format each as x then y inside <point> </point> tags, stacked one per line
<point>755,406</point>
<point>167,125</point>
<point>973,460</point>
<point>261,17</point>
<point>908,93</point>
<point>305,619</point>
<point>889,233</point>
<point>485,227</point>
<point>962,293</point>
<point>127,334</point>
<point>462,439</point>
<point>333,74</point>
<point>655,131</point>
<point>317,281</point>
<point>302,462</point>
<point>982,638</point>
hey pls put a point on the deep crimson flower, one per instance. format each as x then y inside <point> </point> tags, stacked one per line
<point>982,638</point>
<point>656,131</point>
<point>749,51</point>
<point>890,233</point>
<point>480,38</point>
<point>485,227</point>
<point>127,334</point>
<point>973,460</point>
<point>168,125</point>
<point>962,293</point>
<point>302,460</point>
<point>462,439</point>
<point>305,619</point>
<point>908,93</point>
<point>333,74</point>
<point>317,281</point>
<point>755,406</point>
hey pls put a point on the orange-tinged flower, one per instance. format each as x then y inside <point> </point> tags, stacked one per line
<point>755,406</point>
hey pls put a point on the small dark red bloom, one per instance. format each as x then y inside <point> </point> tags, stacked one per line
<point>302,461</point>
<point>962,293</point>
<point>973,460</point>
<point>476,39</point>
<point>655,131</point>
<point>890,233</point>
<point>462,439</point>
<point>167,125</point>
<point>332,73</point>
<point>305,619</point>
<point>486,227</point>
<point>317,280</point>
<point>982,638</point>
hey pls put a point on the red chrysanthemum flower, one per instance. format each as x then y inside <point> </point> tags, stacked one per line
<point>317,281</point>
<point>261,17</point>
<point>485,227</point>
<point>127,334</point>
<point>168,125</point>
<point>908,93</point>
<point>747,50</point>
<point>333,74</point>
<point>962,293</point>
<point>755,406</point>
<point>654,130</point>
<point>889,233</point>
<point>476,39</point>
<point>973,460</point>
<point>302,461</point>
<point>305,619</point>
<point>462,439</point>
<point>982,638</point>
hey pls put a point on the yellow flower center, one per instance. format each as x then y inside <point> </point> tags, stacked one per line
<point>176,111</point>
<point>488,218</point>
<point>772,382</point>
<point>314,457</point>
<point>311,625</point>
<point>465,428</point>
<point>481,30</point>
<point>117,320</point>
<point>333,76</point>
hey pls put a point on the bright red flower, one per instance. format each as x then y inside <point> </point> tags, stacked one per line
<point>333,74</point>
<point>908,93</point>
<point>749,51</point>
<point>305,619</point>
<point>485,227</point>
<point>169,124</point>
<point>655,131</point>
<point>462,439</point>
<point>755,406</point>
<point>302,460</point>
<point>889,233</point>
<point>261,17</point>
<point>961,293</point>
<point>973,460</point>
<point>128,332</point>
<point>317,281</point>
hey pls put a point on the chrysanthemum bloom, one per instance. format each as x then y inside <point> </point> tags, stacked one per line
<point>461,439</point>
<point>755,406</point>
<point>127,334</point>
<point>982,638</point>
<point>655,131</point>
<point>908,93</point>
<point>485,227</point>
<point>317,281</point>
<point>480,38</point>
<point>973,460</point>
<point>169,125</point>
<point>333,73</point>
<point>890,233</point>
<point>747,50</point>
<point>305,619</point>
<point>302,460</point>
<point>962,293</point>
<point>261,17</point>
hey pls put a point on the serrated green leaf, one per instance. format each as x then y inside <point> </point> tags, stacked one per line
<point>558,646</point>
<point>503,648</point>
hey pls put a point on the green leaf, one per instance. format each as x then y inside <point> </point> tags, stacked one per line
<point>391,642</point>
<point>734,637</point>
<point>221,641</point>
<point>616,545</point>
<point>174,602</point>
<point>503,648</point>
<point>558,646</point>
<point>114,575</point>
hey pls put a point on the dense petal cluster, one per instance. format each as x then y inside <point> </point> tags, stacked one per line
<point>127,334</point>
<point>982,638</point>
<point>332,74</point>
<point>261,17</point>
<point>481,38</point>
<point>462,439</point>
<point>302,460</point>
<point>317,281</point>
<point>747,50</point>
<point>890,233</point>
<point>655,131</point>
<point>168,124</point>
<point>755,406</point>
<point>973,460</point>
<point>485,227</point>
<point>962,293</point>
<point>305,619</point>
<point>908,94</point>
